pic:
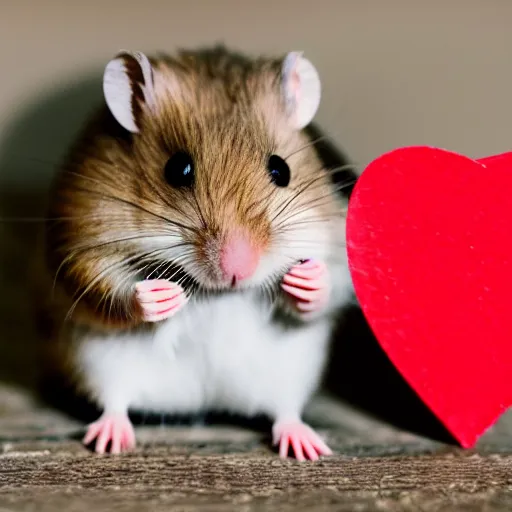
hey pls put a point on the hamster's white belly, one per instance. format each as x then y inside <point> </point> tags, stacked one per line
<point>223,354</point>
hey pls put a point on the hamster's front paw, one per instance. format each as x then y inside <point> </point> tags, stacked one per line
<point>307,284</point>
<point>159,299</point>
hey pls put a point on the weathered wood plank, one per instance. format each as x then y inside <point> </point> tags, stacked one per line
<point>44,467</point>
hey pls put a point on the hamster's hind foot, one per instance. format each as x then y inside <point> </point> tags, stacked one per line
<point>114,428</point>
<point>307,285</point>
<point>159,299</point>
<point>301,438</point>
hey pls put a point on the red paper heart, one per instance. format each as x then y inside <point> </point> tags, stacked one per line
<point>429,241</point>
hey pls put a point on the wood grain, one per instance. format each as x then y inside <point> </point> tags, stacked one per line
<point>377,467</point>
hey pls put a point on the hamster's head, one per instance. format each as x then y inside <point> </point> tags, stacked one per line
<point>231,189</point>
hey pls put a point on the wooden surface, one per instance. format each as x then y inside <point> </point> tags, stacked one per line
<point>43,467</point>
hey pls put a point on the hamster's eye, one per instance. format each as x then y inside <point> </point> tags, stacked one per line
<point>179,170</point>
<point>279,171</point>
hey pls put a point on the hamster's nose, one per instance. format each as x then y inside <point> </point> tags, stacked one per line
<point>238,258</point>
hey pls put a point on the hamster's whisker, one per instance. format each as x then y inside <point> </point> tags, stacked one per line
<point>300,242</point>
<point>124,201</point>
<point>173,274</point>
<point>185,257</point>
<point>181,280</point>
<point>271,283</point>
<point>154,271</point>
<point>344,167</point>
<point>100,275</point>
<point>115,294</point>
<point>130,275</point>
<point>268,292</point>
<point>306,222</point>
<point>305,206</point>
<point>119,286</point>
<point>199,211</point>
<point>74,253</point>
<point>185,278</point>
<point>119,219</point>
<point>166,202</point>
<point>294,213</point>
<point>139,207</point>
<point>260,203</point>
<point>334,187</point>
<point>318,201</point>
<point>286,243</point>
<point>145,236</point>
<point>341,186</point>
<point>287,221</point>
<point>308,145</point>
<point>273,292</point>
<point>294,196</point>
<point>309,185</point>
<point>174,262</point>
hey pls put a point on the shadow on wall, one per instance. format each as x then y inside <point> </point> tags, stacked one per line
<point>31,149</point>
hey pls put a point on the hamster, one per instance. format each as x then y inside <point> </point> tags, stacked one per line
<point>195,245</point>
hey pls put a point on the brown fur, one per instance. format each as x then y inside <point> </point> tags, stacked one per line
<point>227,112</point>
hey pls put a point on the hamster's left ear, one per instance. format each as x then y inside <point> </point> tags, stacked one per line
<point>301,88</point>
<point>127,85</point>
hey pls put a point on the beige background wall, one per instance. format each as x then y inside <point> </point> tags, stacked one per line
<point>394,72</point>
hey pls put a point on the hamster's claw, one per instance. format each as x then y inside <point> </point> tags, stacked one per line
<point>307,284</point>
<point>114,428</point>
<point>301,438</point>
<point>159,299</point>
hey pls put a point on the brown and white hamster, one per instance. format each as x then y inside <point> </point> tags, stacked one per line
<point>198,245</point>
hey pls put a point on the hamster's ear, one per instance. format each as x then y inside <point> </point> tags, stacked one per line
<point>301,88</point>
<point>128,82</point>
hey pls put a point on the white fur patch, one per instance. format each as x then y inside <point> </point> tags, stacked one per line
<point>301,88</point>
<point>223,354</point>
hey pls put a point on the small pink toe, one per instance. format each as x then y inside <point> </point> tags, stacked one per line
<point>304,295</point>
<point>297,447</point>
<point>305,284</point>
<point>284,446</point>
<point>104,436</point>
<point>311,266</point>
<point>163,311</point>
<point>116,438</point>
<point>92,432</point>
<point>158,296</point>
<point>307,271</point>
<point>309,449</point>
<point>159,307</point>
<point>128,439</point>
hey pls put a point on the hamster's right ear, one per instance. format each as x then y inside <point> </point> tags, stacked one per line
<point>127,84</point>
<point>301,88</point>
